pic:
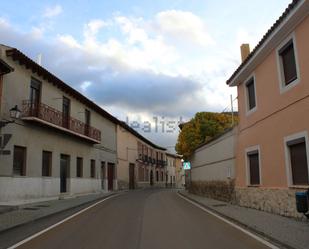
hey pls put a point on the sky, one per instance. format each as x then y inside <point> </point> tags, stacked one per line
<point>150,63</point>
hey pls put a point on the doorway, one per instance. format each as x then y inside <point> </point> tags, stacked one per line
<point>64,169</point>
<point>110,175</point>
<point>151,177</point>
<point>103,175</point>
<point>131,176</point>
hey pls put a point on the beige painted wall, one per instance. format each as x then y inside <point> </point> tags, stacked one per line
<point>215,160</point>
<point>278,115</point>
<point>16,88</point>
<point>127,152</point>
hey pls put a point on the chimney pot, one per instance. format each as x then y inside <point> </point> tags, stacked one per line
<point>245,51</point>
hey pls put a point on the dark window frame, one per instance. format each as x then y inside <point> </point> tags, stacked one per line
<point>87,121</point>
<point>79,167</point>
<point>92,168</point>
<point>66,102</point>
<point>47,170</point>
<point>251,95</point>
<point>254,167</point>
<point>298,176</point>
<point>283,54</point>
<point>22,169</point>
<point>35,95</point>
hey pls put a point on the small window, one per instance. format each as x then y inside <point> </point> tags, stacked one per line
<point>250,87</point>
<point>19,161</point>
<point>79,167</point>
<point>288,63</point>
<point>46,163</point>
<point>298,160</point>
<point>92,168</point>
<point>254,167</point>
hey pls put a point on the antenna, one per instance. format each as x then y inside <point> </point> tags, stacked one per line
<point>39,59</point>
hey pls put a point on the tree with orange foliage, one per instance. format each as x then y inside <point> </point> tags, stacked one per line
<point>200,129</point>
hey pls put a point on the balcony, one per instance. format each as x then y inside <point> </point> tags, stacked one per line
<point>51,117</point>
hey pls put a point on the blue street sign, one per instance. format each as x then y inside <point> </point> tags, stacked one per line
<point>186,165</point>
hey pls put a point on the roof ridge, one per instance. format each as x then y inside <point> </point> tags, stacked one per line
<point>40,70</point>
<point>281,18</point>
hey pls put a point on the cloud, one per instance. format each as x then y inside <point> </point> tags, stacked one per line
<point>52,11</point>
<point>134,73</point>
<point>93,27</point>
<point>183,25</point>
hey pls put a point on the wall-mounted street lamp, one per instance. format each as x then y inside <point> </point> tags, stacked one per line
<point>14,114</point>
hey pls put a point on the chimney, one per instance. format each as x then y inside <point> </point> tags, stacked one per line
<point>39,59</point>
<point>245,51</point>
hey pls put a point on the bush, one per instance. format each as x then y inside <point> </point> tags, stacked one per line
<point>219,190</point>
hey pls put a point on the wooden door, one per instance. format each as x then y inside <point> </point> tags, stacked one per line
<point>131,176</point>
<point>110,175</point>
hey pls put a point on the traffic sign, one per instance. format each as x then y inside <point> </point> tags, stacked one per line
<point>186,165</point>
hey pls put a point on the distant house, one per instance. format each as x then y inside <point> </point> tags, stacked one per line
<point>141,163</point>
<point>214,162</point>
<point>273,103</point>
<point>173,170</point>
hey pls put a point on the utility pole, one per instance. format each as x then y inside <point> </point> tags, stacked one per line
<point>232,110</point>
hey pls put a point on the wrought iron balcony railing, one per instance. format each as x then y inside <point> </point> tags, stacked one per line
<point>55,117</point>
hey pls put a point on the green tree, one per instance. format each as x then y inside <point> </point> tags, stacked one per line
<point>200,129</point>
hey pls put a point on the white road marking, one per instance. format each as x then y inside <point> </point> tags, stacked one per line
<point>60,222</point>
<point>265,242</point>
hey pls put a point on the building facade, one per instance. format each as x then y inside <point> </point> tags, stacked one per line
<point>141,163</point>
<point>273,101</point>
<point>63,143</point>
<point>215,160</point>
<point>180,173</point>
<point>174,172</point>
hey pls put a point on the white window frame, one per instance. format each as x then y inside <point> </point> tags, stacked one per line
<point>283,88</point>
<point>249,111</point>
<point>303,134</point>
<point>248,150</point>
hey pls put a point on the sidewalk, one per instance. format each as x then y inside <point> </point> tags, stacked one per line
<point>284,232</point>
<point>23,214</point>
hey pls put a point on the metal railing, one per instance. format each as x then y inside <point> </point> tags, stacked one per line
<point>55,117</point>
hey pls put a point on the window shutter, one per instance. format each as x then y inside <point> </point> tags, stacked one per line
<point>251,94</point>
<point>299,164</point>
<point>288,63</point>
<point>254,168</point>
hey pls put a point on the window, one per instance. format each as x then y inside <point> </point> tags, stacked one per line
<point>157,176</point>
<point>46,163</point>
<point>253,167</point>
<point>19,161</point>
<point>288,63</point>
<point>87,122</point>
<point>35,92</point>
<point>65,112</point>
<point>79,167</point>
<point>92,168</point>
<point>298,161</point>
<point>250,88</point>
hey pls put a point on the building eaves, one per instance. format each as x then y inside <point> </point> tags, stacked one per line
<point>273,28</point>
<point>135,133</point>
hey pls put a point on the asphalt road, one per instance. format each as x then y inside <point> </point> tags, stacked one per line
<point>147,219</point>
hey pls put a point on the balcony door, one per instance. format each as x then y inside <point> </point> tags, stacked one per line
<point>66,112</point>
<point>87,122</point>
<point>35,94</point>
